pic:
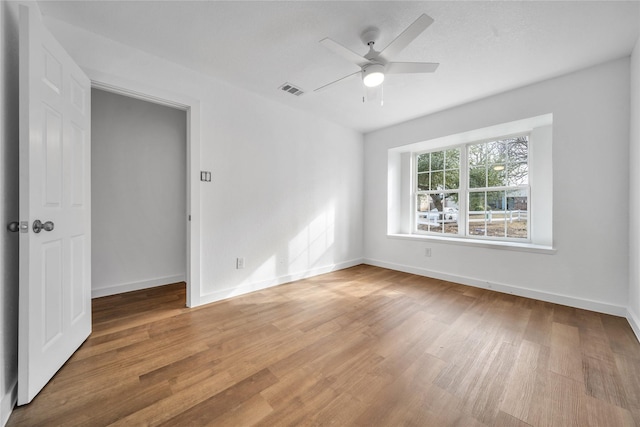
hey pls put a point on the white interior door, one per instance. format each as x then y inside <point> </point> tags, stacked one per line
<point>55,263</point>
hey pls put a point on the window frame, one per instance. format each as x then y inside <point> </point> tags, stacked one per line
<point>464,191</point>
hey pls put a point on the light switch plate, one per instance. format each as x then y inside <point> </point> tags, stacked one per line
<point>205,176</point>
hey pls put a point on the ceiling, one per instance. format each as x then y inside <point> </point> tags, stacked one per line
<point>483,48</point>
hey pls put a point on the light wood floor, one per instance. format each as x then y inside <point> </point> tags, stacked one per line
<point>363,346</point>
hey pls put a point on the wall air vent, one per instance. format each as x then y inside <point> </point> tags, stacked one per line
<point>288,87</point>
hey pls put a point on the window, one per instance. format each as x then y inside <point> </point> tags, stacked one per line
<point>438,184</point>
<point>479,190</point>
<point>504,194</point>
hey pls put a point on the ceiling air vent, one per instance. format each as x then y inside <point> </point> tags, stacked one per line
<point>288,87</point>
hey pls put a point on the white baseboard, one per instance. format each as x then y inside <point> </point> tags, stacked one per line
<point>507,289</point>
<point>136,286</point>
<point>256,286</point>
<point>634,321</point>
<point>8,402</point>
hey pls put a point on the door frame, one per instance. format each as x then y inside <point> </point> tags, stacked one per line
<point>132,89</point>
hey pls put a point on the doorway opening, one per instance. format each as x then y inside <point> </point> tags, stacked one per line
<point>139,204</point>
<point>191,108</point>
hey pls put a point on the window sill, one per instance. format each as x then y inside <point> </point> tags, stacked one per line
<point>510,246</point>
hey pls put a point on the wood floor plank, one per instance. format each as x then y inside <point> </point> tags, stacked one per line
<point>520,389</point>
<point>247,413</point>
<point>621,337</point>
<point>406,399</point>
<point>629,369</point>
<point>484,398</point>
<point>594,341</point>
<point>115,341</point>
<point>601,413</point>
<point>225,401</point>
<point>288,387</point>
<point>565,360</point>
<point>180,401</point>
<point>602,381</point>
<point>417,327</point>
<point>364,346</point>
<point>560,403</point>
<point>505,420</point>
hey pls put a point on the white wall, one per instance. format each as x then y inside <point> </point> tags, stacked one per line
<point>590,170</point>
<point>9,208</point>
<point>634,195</point>
<point>286,190</point>
<point>138,194</point>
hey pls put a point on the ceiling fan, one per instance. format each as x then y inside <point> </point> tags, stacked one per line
<point>375,65</point>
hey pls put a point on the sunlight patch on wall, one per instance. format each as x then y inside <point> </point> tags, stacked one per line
<point>266,269</point>
<point>313,241</point>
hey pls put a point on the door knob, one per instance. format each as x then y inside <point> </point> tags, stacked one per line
<point>38,226</point>
<point>13,226</point>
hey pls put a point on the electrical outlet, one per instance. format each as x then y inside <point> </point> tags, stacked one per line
<point>427,252</point>
<point>239,263</point>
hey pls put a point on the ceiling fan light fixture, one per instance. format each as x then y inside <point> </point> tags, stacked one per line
<point>373,75</point>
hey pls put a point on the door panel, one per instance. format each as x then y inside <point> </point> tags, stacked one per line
<point>55,168</point>
<point>52,291</point>
<point>52,148</point>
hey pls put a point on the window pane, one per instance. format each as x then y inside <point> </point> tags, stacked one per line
<point>437,180</point>
<point>423,181</point>
<point>517,205</point>
<point>452,159</point>
<point>477,202</point>
<point>423,205</point>
<point>496,176</point>
<point>518,174</point>
<point>477,177</point>
<point>496,203</point>
<point>437,160</point>
<point>495,152</point>
<point>518,149</point>
<point>449,213</point>
<point>437,213</point>
<point>476,155</point>
<point>452,179</point>
<point>425,218</point>
<point>423,162</point>
<point>476,218</point>
<point>496,200</point>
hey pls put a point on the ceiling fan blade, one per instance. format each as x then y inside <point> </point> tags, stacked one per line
<point>346,53</point>
<point>407,36</point>
<point>339,80</point>
<point>410,67</point>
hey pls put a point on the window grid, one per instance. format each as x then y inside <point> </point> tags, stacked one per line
<point>493,177</point>
<point>436,189</point>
